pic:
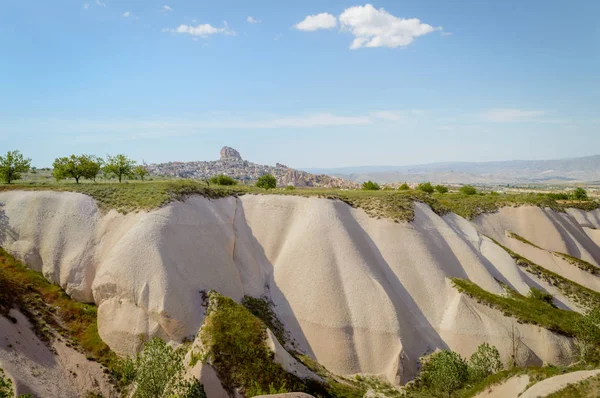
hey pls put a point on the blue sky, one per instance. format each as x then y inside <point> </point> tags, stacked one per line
<point>307,83</point>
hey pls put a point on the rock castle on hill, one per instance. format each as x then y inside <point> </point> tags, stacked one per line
<point>232,164</point>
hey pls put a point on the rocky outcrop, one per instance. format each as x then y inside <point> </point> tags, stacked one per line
<point>232,164</point>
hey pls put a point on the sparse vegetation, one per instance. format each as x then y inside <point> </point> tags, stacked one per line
<point>579,263</point>
<point>262,308</point>
<point>484,362</point>
<point>580,194</point>
<point>46,304</point>
<point>523,240</point>
<point>537,294</point>
<point>589,388</point>
<point>588,336</point>
<point>443,372</point>
<point>425,187</point>
<point>12,165</point>
<point>370,186</point>
<point>525,309</point>
<point>266,181</point>
<point>403,187</point>
<point>236,348</point>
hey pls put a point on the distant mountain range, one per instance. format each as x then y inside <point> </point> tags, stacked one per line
<point>586,169</point>
<point>232,165</point>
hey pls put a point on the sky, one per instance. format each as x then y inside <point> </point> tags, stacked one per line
<point>306,83</point>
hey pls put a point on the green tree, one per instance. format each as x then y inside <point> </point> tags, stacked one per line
<point>404,187</point>
<point>425,187</point>
<point>69,167</point>
<point>119,166</point>
<point>580,194</point>
<point>160,373</point>
<point>370,186</point>
<point>587,336</point>
<point>441,189</point>
<point>12,165</point>
<point>484,362</point>
<point>468,190</point>
<point>92,166</point>
<point>222,179</point>
<point>266,181</point>
<point>140,171</point>
<point>444,371</point>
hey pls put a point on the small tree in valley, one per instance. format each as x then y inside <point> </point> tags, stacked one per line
<point>468,190</point>
<point>484,362</point>
<point>404,187</point>
<point>12,165</point>
<point>444,371</point>
<point>70,167</point>
<point>119,166</point>
<point>580,194</point>
<point>140,171</point>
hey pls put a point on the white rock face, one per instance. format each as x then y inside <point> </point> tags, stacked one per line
<point>358,294</point>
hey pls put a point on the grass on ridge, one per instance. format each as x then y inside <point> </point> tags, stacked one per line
<point>47,305</point>
<point>392,204</point>
<point>579,263</point>
<point>525,309</point>
<point>589,388</point>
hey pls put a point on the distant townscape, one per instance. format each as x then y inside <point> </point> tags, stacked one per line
<point>232,165</point>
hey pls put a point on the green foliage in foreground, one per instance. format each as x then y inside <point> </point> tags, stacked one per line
<point>403,187</point>
<point>370,186</point>
<point>588,336</point>
<point>6,390</point>
<point>525,309</point>
<point>538,294</point>
<point>236,348</point>
<point>12,165</point>
<point>76,167</point>
<point>222,179</point>
<point>158,372</point>
<point>266,181</point>
<point>484,362</point>
<point>119,166</point>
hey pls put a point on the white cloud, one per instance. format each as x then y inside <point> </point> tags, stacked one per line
<point>100,3</point>
<point>251,19</point>
<point>378,28</point>
<point>315,22</point>
<point>166,8</point>
<point>446,33</point>
<point>202,30</point>
<point>127,14</point>
<point>86,5</point>
<point>502,115</point>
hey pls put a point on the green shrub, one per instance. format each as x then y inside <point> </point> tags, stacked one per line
<point>266,181</point>
<point>444,371</point>
<point>404,187</point>
<point>370,186</point>
<point>290,188</point>
<point>425,187</point>
<point>541,295</point>
<point>6,390</point>
<point>587,340</point>
<point>222,179</point>
<point>159,373</point>
<point>468,190</point>
<point>484,362</point>
<point>580,194</point>
<point>441,189</point>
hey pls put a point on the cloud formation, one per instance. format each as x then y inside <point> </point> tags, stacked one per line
<point>507,115</point>
<point>126,14</point>
<point>202,30</point>
<point>373,27</point>
<point>100,3</point>
<point>166,8</point>
<point>315,22</point>
<point>253,20</point>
